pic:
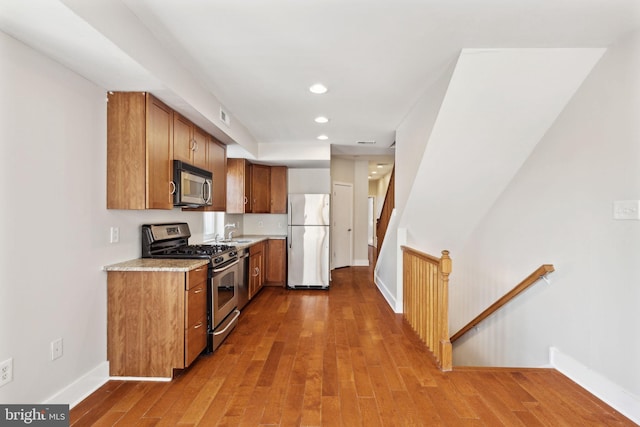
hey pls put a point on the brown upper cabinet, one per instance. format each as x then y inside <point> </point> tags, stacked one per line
<point>139,152</point>
<point>255,188</point>
<point>189,142</point>
<point>217,164</point>
<point>278,182</point>
<point>238,186</point>
<point>260,189</point>
<point>144,136</point>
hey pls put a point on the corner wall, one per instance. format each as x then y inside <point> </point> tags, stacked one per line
<point>54,237</point>
<point>558,209</point>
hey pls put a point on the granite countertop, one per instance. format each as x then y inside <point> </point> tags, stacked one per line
<point>154,264</point>
<point>247,240</point>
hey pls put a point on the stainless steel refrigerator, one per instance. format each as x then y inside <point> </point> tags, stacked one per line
<point>308,238</point>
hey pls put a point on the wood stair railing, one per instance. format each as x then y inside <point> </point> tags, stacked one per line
<point>426,301</point>
<point>387,209</point>
<point>541,272</point>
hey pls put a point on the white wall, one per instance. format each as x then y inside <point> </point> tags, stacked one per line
<point>55,225</point>
<point>558,209</point>
<point>316,181</point>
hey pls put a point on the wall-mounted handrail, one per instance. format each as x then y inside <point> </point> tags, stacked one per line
<point>540,273</point>
<point>387,209</point>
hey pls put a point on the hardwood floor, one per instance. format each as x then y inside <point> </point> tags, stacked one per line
<point>339,357</point>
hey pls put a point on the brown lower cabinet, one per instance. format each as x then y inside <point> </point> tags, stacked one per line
<point>276,260</point>
<point>156,321</point>
<point>256,268</point>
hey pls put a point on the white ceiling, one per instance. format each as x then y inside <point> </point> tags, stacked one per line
<point>256,58</point>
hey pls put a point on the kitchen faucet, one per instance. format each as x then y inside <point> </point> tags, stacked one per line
<point>230,225</point>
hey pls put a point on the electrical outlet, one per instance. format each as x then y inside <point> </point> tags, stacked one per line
<point>626,209</point>
<point>260,223</point>
<point>114,236</point>
<point>6,372</point>
<point>56,349</point>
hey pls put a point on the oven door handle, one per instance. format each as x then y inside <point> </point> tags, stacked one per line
<point>236,315</point>
<point>218,270</point>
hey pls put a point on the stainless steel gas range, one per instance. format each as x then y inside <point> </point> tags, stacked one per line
<point>171,240</point>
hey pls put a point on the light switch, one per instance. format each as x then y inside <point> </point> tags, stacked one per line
<point>626,209</point>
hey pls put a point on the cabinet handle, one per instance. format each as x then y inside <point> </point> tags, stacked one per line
<point>200,268</point>
<point>172,185</point>
<point>194,145</point>
<point>198,291</point>
<point>257,270</point>
<point>199,325</point>
<point>246,200</point>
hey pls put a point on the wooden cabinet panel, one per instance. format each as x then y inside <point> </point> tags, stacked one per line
<point>276,262</point>
<point>182,138</point>
<point>145,315</point>
<point>156,321</point>
<point>256,268</point>
<point>260,189</point>
<point>278,187</point>
<point>139,152</point>
<point>217,164</point>
<point>195,314</point>
<point>199,148</point>
<point>238,186</point>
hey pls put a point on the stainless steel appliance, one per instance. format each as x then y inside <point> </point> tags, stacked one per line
<point>193,186</point>
<point>243,280</point>
<point>171,241</point>
<point>308,237</point>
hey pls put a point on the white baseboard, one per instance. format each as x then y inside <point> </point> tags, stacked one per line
<point>604,389</point>
<point>385,292</point>
<point>361,262</point>
<point>160,379</point>
<point>78,390</point>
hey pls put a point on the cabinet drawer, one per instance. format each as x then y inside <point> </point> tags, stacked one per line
<point>195,340</point>
<point>196,307</point>
<point>197,276</point>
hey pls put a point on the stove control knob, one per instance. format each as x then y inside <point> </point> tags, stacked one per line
<point>233,253</point>
<point>218,260</point>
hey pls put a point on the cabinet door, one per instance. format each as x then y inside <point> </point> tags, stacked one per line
<point>199,149</point>
<point>276,262</point>
<point>278,189</point>
<point>260,188</point>
<point>248,185</point>
<point>182,139</point>
<point>195,333</point>
<point>255,274</point>
<point>217,164</point>
<point>126,151</point>
<point>235,186</point>
<point>159,155</point>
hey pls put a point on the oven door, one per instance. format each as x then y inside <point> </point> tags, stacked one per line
<point>224,292</point>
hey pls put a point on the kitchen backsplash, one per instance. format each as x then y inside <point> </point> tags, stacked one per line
<point>271,224</point>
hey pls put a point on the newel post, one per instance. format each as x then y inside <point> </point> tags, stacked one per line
<point>446,353</point>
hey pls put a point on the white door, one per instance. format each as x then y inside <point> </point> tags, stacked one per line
<point>342,232</point>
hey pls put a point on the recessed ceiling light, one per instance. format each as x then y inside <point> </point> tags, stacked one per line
<point>373,172</point>
<point>318,88</point>
<point>323,137</point>
<point>321,119</point>
<point>369,176</point>
<point>379,166</point>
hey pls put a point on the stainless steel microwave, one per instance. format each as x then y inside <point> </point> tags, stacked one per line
<point>193,186</point>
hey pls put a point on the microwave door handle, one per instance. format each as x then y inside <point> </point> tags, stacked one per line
<point>210,188</point>
<point>206,191</point>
